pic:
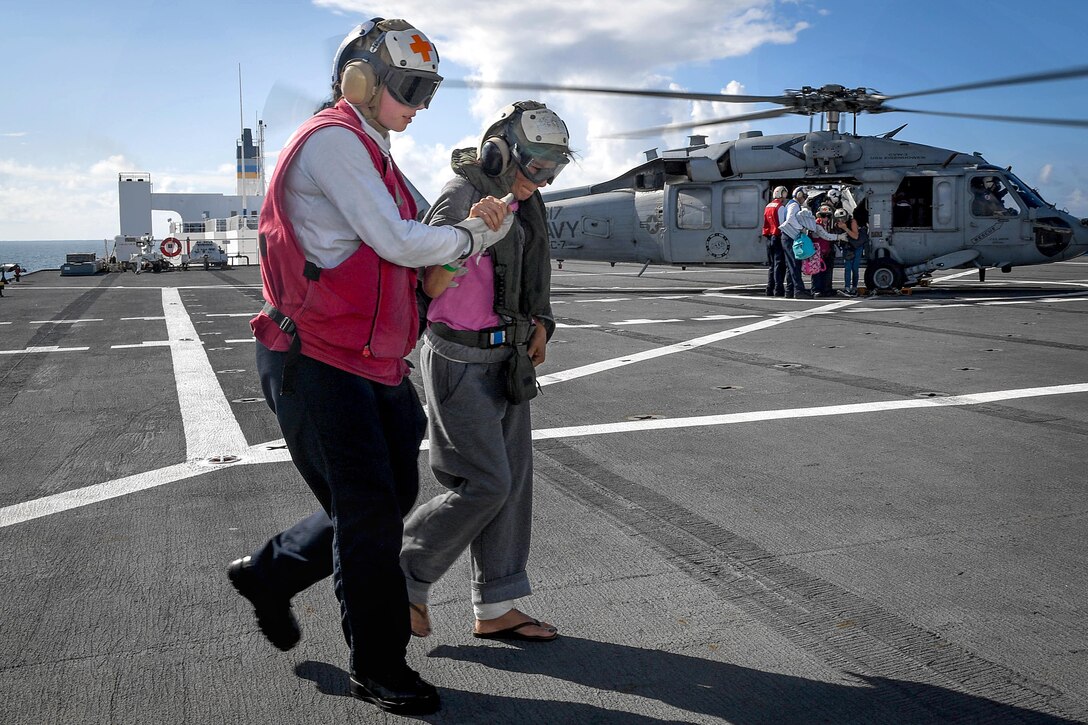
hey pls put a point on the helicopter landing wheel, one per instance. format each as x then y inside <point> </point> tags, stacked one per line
<point>884,274</point>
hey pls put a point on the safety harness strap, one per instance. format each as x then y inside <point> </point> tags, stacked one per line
<point>290,362</point>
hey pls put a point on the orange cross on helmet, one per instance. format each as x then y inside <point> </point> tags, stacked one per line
<point>421,46</point>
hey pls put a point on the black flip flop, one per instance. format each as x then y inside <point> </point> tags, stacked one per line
<point>514,633</point>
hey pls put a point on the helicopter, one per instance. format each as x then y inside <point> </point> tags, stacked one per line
<point>928,208</point>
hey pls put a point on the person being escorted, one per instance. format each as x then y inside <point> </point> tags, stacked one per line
<point>488,327</point>
<point>773,214</point>
<point>339,250</point>
<point>821,280</point>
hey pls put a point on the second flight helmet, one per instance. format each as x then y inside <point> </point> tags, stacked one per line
<point>528,136</point>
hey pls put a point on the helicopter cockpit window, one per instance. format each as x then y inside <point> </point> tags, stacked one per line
<point>1029,195</point>
<point>991,198</point>
<point>693,208</point>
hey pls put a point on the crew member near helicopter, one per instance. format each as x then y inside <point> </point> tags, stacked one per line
<point>799,219</point>
<point>773,215</point>
<point>488,328</point>
<point>339,248</point>
<point>795,281</point>
<point>987,197</point>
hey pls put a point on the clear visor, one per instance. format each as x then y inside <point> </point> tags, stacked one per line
<point>539,167</point>
<point>412,87</point>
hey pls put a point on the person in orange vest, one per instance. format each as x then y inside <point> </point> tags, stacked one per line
<point>773,215</point>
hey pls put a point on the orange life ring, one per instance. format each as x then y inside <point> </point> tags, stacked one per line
<point>170,247</point>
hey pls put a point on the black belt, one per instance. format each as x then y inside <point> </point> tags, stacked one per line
<point>485,339</point>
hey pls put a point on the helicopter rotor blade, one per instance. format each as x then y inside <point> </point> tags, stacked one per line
<point>1077,72</point>
<point>1072,122</point>
<point>680,95</point>
<point>656,130</point>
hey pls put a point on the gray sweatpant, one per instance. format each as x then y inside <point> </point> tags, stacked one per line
<point>481,450</point>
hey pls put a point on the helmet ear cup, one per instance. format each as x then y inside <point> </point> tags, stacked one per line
<point>494,156</point>
<point>357,83</point>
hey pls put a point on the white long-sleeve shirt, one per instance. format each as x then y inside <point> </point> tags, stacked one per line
<point>798,218</point>
<point>334,196</point>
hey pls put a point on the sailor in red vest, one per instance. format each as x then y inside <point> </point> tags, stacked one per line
<point>773,214</point>
<point>339,247</point>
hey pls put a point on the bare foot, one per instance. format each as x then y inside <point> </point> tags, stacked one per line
<point>526,626</point>
<point>420,620</point>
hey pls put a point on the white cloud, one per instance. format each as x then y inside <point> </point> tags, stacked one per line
<point>568,43</point>
<point>1045,173</point>
<point>623,43</point>
<point>77,202</point>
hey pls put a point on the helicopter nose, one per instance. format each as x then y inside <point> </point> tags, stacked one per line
<point>1080,239</point>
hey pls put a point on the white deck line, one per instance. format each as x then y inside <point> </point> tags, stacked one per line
<point>266,453</point>
<point>209,424</point>
<point>618,362</point>
<point>815,412</point>
<point>47,348</point>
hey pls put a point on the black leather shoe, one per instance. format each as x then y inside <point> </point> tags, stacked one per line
<point>410,695</point>
<point>274,615</point>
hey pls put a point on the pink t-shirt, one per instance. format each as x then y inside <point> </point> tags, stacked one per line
<point>471,304</point>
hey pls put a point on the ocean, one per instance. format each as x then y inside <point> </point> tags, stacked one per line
<point>33,256</point>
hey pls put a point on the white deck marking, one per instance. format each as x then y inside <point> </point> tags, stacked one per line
<point>819,411</point>
<point>644,321</point>
<point>618,362</point>
<point>957,275</point>
<point>563,324</point>
<point>47,348</point>
<point>48,505</point>
<point>62,322</point>
<point>209,424</point>
<point>242,339</point>
<point>714,318</point>
<point>230,314</point>
<point>273,452</point>
<point>126,319</point>
<point>146,343</point>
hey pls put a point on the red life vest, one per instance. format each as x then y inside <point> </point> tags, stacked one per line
<point>770,218</point>
<point>359,316</point>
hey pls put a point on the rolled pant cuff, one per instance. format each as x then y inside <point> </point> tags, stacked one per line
<point>514,586</point>
<point>418,592</point>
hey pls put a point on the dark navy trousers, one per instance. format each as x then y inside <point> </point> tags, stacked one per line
<point>356,444</point>
<point>776,265</point>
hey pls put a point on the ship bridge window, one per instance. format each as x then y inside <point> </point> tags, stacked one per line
<point>742,206</point>
<point>693,207</point>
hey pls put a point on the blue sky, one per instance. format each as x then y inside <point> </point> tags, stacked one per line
<point>93,89</point>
